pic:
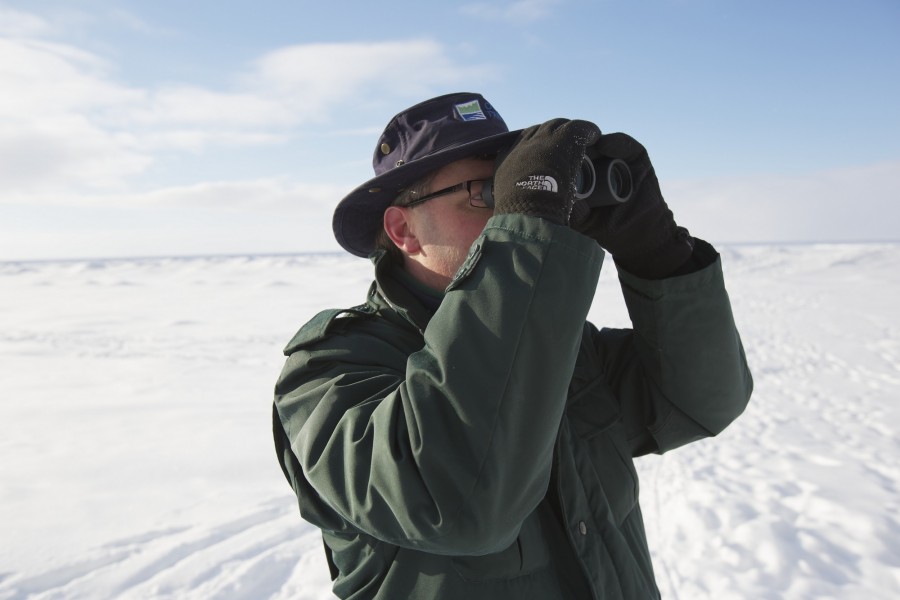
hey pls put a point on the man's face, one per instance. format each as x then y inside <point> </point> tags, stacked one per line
<point>447,225</point>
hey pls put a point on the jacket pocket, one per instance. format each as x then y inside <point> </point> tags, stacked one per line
<point>529,553</point>
<point>597,423</point>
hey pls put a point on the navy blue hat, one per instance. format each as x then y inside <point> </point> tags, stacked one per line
<point>417,141</point>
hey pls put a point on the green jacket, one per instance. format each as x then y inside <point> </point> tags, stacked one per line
<point>484,450</point>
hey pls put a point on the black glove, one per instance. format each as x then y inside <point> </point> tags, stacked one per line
<point>641,234</point>
<point>536,176</point>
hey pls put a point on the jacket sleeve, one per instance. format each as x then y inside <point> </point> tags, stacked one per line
<point>453,454</point>
<point>681,374</point>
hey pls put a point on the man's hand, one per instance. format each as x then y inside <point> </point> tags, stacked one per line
<point>641,234</point>
<point>537,175</point>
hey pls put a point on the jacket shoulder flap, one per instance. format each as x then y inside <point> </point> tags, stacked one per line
<point>322,324</point>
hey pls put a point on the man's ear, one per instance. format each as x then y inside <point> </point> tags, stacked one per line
<point>397,227</point>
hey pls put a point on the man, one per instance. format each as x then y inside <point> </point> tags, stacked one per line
<point>464,433</point>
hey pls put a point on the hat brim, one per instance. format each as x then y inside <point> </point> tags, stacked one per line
<point>358,217</point>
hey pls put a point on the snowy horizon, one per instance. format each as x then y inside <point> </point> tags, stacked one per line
<point>343,253</point>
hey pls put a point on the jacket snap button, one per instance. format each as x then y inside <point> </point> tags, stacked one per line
<point>582,528</point>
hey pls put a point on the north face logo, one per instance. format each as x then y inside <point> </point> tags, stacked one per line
<point>539,182</point>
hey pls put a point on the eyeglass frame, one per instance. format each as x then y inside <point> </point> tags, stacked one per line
<point>465,185</point>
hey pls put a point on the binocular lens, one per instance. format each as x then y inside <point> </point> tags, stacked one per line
<point>620,180</point>
<point>585,179</point>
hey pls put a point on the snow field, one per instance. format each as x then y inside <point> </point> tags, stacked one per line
<point>137,461</point>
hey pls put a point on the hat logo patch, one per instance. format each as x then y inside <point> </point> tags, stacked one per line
<point>471,111</point>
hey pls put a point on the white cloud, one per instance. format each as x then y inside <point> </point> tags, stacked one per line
<point>315,81</point>
<point>139,25</point>
<point>258,195</point>
<point>849,204</point>
<point>66,120</point>
<point>190,105</point>
<point>40,78</point>
<point>50,136</point>
<point>518,11</point>
<point>263,215</point>
<point>60,151</point>
<point>196,140</point>
<point>16,23</point>
<point>278,195</point>
<point>306,84</point>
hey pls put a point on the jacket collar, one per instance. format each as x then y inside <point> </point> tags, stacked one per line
<point>388,293</point>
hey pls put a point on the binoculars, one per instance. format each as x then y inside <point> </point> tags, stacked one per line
<point>600,181</point>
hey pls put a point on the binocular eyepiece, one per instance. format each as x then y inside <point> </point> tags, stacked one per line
<point>600,181</point>
<point>603,181</point>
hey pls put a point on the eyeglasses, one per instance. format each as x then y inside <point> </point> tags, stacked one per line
<point>473,187</point>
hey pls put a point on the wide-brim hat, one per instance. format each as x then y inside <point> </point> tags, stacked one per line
<point>416,142</point>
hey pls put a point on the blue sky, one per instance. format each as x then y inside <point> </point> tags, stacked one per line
<point>159,128</point>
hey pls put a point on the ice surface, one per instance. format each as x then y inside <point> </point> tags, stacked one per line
<point>137,460</point>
